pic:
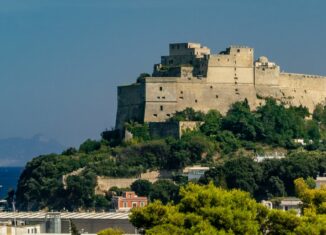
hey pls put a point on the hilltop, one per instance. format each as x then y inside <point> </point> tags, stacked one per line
<point>226,143</point>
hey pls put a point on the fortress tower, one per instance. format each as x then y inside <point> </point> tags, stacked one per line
<point>190,76</point>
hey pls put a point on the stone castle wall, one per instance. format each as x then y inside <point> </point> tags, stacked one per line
<point>230,76</point>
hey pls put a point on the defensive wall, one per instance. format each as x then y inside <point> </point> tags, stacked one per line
<point>192,77</point>
<point>105,183</point>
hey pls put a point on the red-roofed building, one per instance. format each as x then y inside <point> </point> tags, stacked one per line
<point>128,200</point>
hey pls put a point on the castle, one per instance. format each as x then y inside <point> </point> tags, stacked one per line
<point>190,76</point>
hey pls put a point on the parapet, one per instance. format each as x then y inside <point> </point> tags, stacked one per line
<point>188,48</point>
<point>263,62</point>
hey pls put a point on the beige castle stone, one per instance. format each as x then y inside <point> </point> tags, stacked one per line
<point>190,76</point>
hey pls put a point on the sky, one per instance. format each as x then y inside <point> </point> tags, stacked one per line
<point>62,60</point>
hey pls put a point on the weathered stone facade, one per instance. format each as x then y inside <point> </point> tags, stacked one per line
<point>192,77</point>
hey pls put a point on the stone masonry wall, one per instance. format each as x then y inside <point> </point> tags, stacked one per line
<point>232,76</point>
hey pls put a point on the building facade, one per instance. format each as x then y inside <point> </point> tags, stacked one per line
<point>190,76</point>
<point>128,200</point>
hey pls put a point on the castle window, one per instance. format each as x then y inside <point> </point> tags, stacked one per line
<point>216,96</point>
<point>235,83</point>
<point>181,92</point>
<point>163,97</point>
<point>169,115</point>
<point>158,97</point>
<point>211,87</point>
<point>236,78</point>
<point>161,88</point>
<point>161,107</point>
<point>181,97</point>
<point>196,101</point>
<point>238,50</point>
<point>155,115</point>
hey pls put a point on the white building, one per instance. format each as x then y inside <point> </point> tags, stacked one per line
<point>291,203</point>
<point>21,229</point>
<point>195,172</point>
<point>320,181</point>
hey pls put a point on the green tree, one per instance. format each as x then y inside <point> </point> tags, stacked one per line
<point>281,222</point>
<point>10,196</point>
<point>243,173</point>
<point>110,231</point>
<point>165,191</point>
<point>312,131</point>
<point>280,125</point>
<point>212,123</point>
<point>141,187</point>
<point>319,113</point>
<point>202,210</point>
<point>228,142</point>
<point>242,122</point>
<point>73,228</point>
<point>69,151</point>
<point>139,131</point>
<point>189,114</point>
<point>89,146</point>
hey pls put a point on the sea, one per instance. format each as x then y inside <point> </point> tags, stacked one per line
<point>8,179</point>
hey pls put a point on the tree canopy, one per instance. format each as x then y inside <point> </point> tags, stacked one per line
<point>211,210</point>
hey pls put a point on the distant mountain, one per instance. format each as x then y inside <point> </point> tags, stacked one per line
<point>17,151</point>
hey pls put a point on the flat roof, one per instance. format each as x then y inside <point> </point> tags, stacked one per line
<point>64,215</point>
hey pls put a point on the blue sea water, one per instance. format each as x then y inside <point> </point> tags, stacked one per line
<point>8,179</point>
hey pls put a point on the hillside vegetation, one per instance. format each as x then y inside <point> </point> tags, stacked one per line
<point>225,143</point>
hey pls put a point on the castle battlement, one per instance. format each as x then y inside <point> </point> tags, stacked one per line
<point>190,76</point>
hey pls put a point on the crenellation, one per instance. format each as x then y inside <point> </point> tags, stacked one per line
<point>190,76</point>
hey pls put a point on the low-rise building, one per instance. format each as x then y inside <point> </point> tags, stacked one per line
<point>291,203</point>
<point>195,172</point>
<point>320,182</point>
<point>128,200</point>
<point>21,229</point>
<point>268,204</point>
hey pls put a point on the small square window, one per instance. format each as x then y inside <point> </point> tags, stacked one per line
<point>161,88</point>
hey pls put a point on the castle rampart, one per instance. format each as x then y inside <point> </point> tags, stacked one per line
<point>192,77</point>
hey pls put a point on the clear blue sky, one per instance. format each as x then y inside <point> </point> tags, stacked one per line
<point>61,60</point>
